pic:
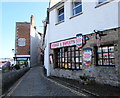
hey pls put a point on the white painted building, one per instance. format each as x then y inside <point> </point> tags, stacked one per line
<point>71,17</point>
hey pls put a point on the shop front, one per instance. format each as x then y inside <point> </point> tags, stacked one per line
<point>22,61</point>
<point>86,56</point>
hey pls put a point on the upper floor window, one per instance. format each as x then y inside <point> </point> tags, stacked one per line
<point>77,7</point>
<point>61,14</point>
<point>106,56</point>
<point>101,1</point>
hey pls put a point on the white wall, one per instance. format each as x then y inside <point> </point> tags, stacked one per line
<point>35,44</point>
<point>101,18</point>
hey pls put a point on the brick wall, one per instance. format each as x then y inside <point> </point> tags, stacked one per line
<point>23,31</point>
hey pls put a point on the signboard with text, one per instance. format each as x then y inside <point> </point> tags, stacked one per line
<point>21,42</point>
<point>79,41</point>
<point>69,42</point>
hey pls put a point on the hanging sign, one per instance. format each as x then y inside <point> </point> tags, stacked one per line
<point>87,38</point>
<point>98,40</point>
<point>21,59</point>
<point>87,56</point>
<point>79,40</point>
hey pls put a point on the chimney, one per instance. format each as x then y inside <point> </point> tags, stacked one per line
<point>32,20</point>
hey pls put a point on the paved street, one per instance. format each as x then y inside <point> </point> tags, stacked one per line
<point>34,83</point>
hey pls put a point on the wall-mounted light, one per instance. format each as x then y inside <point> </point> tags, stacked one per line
<point>100,33</point>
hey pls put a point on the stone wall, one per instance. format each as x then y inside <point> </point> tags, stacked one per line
<point>9,78</point>
<point>101,74</point>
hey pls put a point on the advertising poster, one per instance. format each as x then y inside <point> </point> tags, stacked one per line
<point>87,56</point>
<point>51,58</point>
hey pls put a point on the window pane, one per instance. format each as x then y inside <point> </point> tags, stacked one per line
<point>77,66</point>
<point>105,49</point>
<point>77,3</point>
<point>105,55</point>
<point>62,59</point>
<point>77,60</point>
<point>65,59</point>
<point>100,62</point>
<point>101,1</point>
<point>77,53</point>
<point>99,50</point>
<point>62,65</point>
<point>80,59</point>
<point>61,17</point>
<point>69,65</point>
<point>112,61</point>
<point>69,49</point>
<point>99,56</point>
<point>73,59</point>
<point>77,10</point>
<point>68,54</point>
<point>111,48</point>
<point>73,66</point>
<point>105,62</point>
<point>72,53</point>
<point>111,55</point>
<point>69,59</point>
<point>66,65</point>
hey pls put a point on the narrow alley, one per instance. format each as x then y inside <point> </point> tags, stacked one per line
<point>34,83</point>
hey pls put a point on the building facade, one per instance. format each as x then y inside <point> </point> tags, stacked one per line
<point>27,44</point>
<point>82,40</point>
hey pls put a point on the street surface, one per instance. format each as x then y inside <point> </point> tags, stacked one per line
<point>34,83</point>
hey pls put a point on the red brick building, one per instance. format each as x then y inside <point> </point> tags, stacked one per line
<point>26,35</point>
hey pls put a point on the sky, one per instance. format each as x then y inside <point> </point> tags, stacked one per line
<point>12,12</point>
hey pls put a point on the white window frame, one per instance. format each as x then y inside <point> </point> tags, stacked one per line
<point>74,7</point>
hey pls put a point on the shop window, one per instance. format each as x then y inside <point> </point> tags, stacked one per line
<point>77,7</point>
<point>61,14</point>
<point>69,58</point>
<point>105,56</point>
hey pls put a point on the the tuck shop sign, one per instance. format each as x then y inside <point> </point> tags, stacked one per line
<point>78,41</point>
<point>69,42</point>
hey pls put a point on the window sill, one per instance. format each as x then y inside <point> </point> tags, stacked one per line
<point>103,3</point>
<point>59,22</point>
<point>76,15</point>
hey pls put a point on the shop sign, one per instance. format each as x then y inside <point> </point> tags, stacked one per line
<point>79,40</point>
<point>69,42</point>
<point>87,38</point>
<point>21,59</point>
<point>87,56</point>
